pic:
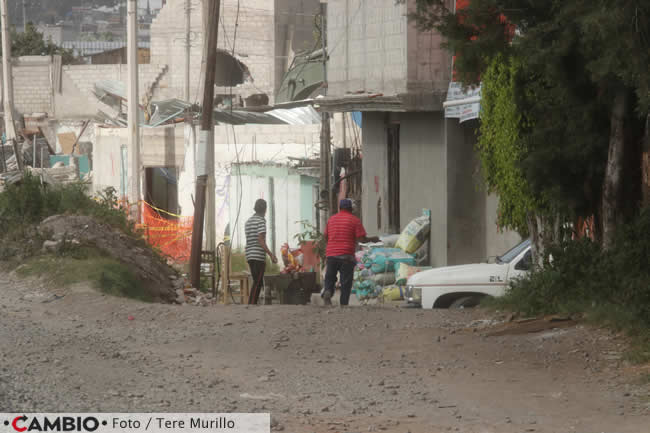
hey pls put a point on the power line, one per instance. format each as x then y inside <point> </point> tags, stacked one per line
<point>234,134</point>
<point>361,2</point>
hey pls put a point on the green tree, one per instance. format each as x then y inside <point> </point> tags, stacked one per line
<point>31,43</point>
<point>582,89</point>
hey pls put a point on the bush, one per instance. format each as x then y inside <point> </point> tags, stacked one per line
<point>612,285</point>
<point>29,202</point>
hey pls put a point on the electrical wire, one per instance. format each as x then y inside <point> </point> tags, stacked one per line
<point>232,50</point>
<point>316,44</point>
<point>234,134</point>
<point>338,42</point>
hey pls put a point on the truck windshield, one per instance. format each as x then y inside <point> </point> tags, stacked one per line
<point>514,252</point>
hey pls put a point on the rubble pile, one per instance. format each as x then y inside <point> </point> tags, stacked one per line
<point>192,296</point>
<point>157,277</point>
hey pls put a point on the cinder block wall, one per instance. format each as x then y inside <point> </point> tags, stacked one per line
<point>34,92</point>
<point>254,44</point>
<point>374,47</point>
<point>85,76</point>
<point>32,84</point>
<point>367,46</point>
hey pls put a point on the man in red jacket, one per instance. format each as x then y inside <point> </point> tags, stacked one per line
<point>342,233</point>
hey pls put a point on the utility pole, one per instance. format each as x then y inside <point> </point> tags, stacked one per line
<point>133,107</point>
<point>24,17</point>
<point>325,135</point>
<point>188,11</point>
<point>7,84</point>
<point>205,150</point>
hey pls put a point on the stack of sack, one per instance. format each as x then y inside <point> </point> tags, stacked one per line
<point>383,268</point>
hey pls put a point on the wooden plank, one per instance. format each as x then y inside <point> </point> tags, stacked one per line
<point>83,129</point>
<point>67,141</point>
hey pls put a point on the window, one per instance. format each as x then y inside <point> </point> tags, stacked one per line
<point>526,262</point>
<point>514,252</point>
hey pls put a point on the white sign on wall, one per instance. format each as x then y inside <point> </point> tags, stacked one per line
<point>462,112</point>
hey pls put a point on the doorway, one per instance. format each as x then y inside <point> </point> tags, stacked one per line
<point>161,189</point>
<point>392,141</point>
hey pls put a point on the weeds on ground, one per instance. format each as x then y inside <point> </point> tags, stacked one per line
<point>74,264</point>
<point>27,203</point>
<point>610,288</point>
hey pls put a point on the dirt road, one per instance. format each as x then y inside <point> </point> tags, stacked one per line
<point>315,369</point>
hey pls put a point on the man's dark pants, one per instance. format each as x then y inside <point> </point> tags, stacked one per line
<point>257,272</point>
<point>346,269</point>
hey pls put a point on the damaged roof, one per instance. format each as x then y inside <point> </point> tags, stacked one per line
<point>279,116</point>
<point>113,93</point>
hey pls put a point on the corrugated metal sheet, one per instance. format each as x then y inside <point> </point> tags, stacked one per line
<point>165,111</point>
<point>297,116</point>
<point>236,117</point>
<point>88,48</point>
<point>290,116</point>
<point>110,87</point>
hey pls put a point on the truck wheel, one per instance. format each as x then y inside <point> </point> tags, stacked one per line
<point>465,302</point>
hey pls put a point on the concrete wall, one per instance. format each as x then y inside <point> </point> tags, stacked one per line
<point>429,65</point>
<point>498,241</point>
<point>423,174</point>
<point>373,47</point>
<point>367,46</point>
<point>84,77</point>
<point>254,45</point>
<point>466,210</point>
<point>160,147</point>
<point>32,84</point>
<point>374,190</point>
<point>251,182</point>
<point>35,89</point>
<point>472,213</point>
<point>267,144</point>
<point>439,170</point>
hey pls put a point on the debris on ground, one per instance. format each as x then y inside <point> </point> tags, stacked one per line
<point>531,325</point>
<point>192,296</point>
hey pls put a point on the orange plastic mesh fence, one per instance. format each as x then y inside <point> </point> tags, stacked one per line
<point>170,233</point>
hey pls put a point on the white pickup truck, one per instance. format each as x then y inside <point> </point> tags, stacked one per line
<point>465,285</point>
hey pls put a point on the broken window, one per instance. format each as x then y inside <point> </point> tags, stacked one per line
<point>230,71</point>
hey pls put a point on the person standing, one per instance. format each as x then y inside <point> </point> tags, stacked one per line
<point>256,249</point>
<point>342,233</point>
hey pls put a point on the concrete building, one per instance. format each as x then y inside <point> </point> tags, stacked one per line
<point>246,158</point>
<point>413,157</point>
<point>290,195</point>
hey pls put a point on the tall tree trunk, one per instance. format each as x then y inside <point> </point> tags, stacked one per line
<point>645,175</point>
<point>536,242</point>
<point>614,171</point>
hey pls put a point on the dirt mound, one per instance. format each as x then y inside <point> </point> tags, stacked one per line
<point>156,276</point>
